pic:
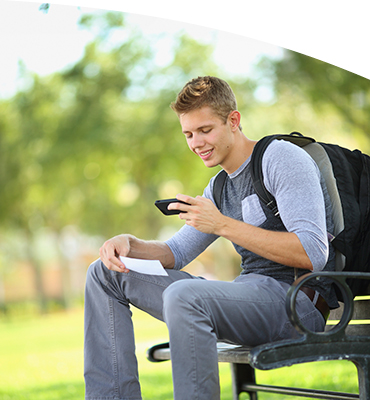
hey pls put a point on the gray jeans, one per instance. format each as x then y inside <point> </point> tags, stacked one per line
<point>198,313</point>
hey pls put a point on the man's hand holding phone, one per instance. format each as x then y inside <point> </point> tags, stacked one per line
<point>198,212</point>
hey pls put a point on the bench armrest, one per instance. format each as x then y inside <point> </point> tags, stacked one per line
<point>153,354</point>
<point>339,278</point>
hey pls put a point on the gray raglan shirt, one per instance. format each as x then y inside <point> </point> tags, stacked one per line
<point>294,179</point>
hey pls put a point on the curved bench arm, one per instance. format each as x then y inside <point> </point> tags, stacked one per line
<point>150,352</point>
<point>340,279</point>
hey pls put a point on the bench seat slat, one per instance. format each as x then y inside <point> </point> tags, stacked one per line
<point>278,354</point>
<point>226,353</point>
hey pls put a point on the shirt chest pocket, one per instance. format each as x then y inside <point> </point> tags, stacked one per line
<point>252,211</point>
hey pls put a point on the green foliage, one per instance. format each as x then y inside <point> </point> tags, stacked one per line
<point>95,145</point>
<point>85,151</point>
<point>336,96</point>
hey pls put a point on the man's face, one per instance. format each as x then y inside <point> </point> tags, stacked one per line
<point>208,136</point>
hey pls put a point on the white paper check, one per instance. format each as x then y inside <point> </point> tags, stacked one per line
<point>149,267</point>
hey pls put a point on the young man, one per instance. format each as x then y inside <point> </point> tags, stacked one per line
<point>251,309</point>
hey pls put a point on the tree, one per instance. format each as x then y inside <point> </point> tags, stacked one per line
<point>95,146</point>
<point>326,88</point>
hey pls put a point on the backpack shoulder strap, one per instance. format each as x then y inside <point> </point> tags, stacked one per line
<point>256,164</point>
<point>256,169</point>
<point>218,186</point>
<point>257,175</point>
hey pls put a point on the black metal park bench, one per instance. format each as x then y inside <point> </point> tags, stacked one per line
<point>348,339</point>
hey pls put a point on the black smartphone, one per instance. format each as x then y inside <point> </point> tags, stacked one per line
<point>163,204</point>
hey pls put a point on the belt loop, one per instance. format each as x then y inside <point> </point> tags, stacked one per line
<point>315,298</point>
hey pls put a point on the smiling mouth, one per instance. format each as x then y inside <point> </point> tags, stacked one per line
<point>205,154</point>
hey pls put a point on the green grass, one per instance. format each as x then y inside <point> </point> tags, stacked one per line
<point>41,358</point>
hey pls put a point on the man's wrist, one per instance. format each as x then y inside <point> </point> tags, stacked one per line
<point>224,226</point>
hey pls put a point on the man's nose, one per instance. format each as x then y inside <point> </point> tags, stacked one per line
<point>197,141</point>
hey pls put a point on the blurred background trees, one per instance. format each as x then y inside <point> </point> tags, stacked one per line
<point>85,152</point>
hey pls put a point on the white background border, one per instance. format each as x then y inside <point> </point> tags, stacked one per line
<point>334,31</point>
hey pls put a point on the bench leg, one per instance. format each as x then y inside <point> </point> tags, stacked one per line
<point>242,374</point>
<point>363,372</point>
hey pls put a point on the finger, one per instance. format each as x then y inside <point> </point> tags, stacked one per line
<point>123,269</point>
<point>112,266</point>
<point>179,205</point>
<point>183,208</point>
<point>187,199</point>
<point>110,257</point>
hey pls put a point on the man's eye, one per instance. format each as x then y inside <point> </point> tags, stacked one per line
<point>206,130</point>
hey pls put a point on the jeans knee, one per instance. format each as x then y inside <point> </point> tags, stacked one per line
<point>176,297</point>
<point>95,272</point>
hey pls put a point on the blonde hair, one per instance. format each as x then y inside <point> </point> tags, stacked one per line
<point>206,91</point>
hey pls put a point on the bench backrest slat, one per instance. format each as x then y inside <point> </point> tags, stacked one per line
<point>360,323</point>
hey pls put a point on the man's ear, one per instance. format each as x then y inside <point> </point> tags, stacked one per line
<point>234,119</point>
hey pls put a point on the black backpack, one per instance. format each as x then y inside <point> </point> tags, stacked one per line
<point>347,176</point>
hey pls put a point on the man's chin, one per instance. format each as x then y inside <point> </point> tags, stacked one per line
<point>210,164</point>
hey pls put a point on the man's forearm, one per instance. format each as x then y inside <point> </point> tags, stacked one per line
<point>151,250</point>
<point>282,247</point>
